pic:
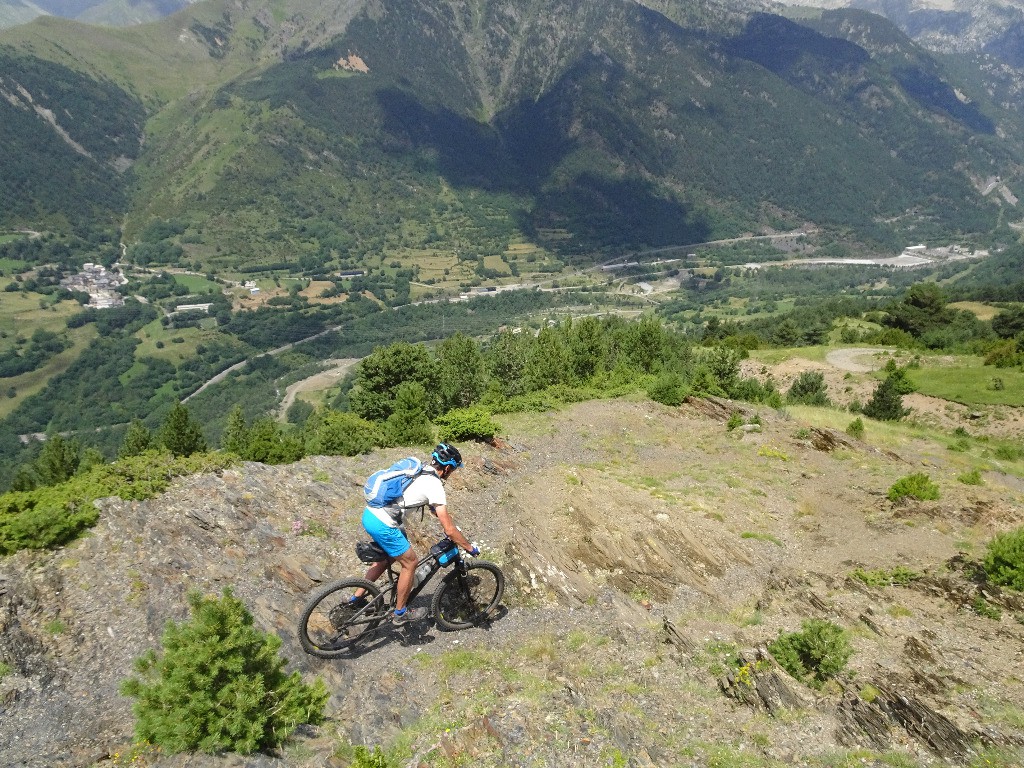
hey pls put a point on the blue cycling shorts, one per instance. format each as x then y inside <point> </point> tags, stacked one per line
<point>392,540</point>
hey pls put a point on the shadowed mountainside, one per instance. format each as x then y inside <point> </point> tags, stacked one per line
<point>580,126</point>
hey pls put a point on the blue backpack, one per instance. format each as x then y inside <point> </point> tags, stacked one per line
<point>386,486</point>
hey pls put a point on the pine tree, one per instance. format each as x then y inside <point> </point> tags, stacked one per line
<point>386,369</point>
<point>236,434</point>
<point>809,389</point>
<point>548,361</point>
<point>181,434</point>
<point>137,439</point>
<point>461,369</point>
<point>219,684</point>
<point>58,460</point>
<point>337,433</point>
<point>506,362</point>
<point>270,445</point>
<point>409,424</point>
<point>886,402</point>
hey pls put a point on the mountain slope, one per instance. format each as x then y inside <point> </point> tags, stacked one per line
<point>66,137</point>
<point>585,126</point>
<point>646,549</point>
<point>15,12</point>
<point>596,113</point>
<point>948,26</point>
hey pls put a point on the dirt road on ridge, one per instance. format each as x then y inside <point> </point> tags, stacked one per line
<point>320,381</point>
<point>857,360</point>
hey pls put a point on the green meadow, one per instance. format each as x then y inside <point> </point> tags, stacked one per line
<point>967,381</point>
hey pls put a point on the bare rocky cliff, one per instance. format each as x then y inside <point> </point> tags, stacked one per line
<point>651,555</point>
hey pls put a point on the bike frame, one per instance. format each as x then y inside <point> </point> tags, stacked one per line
<point>391,590</point>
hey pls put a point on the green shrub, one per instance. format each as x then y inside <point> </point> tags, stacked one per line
<point>809,389</point>
<point>855,428</point>
<point>668,389</point>
<point>364,758</point>
<point>268,443</point>
<point>815,654</point>
<point>51,516</point>
<point>1004,560</point>
<point>337,433</point>
<point>219,685</point>
<point>554,397</point>
<point>880,577</point>
<point>985,609</point>
<point>473,423</point>
<point>915,486</point>
<point>1009,452</point>
<point>970,478</point>
<point>735,420</point>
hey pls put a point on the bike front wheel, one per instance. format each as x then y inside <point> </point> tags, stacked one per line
<point>333,625</point>
<point>467,599</point>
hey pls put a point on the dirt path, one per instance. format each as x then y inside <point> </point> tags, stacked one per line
<point>854,359</point>
<point>320,381</point>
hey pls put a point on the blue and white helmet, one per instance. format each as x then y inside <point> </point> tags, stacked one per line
<point>447,456</point>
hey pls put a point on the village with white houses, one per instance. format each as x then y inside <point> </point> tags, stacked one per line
<point>100,283</point>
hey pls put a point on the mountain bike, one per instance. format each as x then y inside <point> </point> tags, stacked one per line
<point>344,614</point>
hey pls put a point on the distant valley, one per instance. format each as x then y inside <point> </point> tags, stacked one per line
<point>260,178</point>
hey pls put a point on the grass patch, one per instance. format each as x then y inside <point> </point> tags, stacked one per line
<point>996,758</point>
<point>969,382</point>
<point>772,452</point>
<point>775,356</point>
<point>197,285</point>
<point>977,308</point>
<point>56,627</point>
<point>985,609</point>
<point>1002,712</point>
<point>340,74</point>
<point>175,345</point>
<point>882,577</point>
<point>761,537</point>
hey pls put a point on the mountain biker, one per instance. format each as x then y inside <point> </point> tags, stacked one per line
<point>384,527</point>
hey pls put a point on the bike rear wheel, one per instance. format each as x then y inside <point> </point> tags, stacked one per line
<point>331,625</point>
<point>464,601</point>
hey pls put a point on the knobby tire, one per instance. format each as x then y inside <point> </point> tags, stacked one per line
<point>330,628</point>
<point>454,609</point>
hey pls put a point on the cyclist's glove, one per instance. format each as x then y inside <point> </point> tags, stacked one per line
<point>474,551</point>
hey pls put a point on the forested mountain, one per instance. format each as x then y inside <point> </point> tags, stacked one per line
<point>333,133</point>
<point>994,27</point>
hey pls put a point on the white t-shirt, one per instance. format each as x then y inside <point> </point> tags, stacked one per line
<point>425,489</point>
